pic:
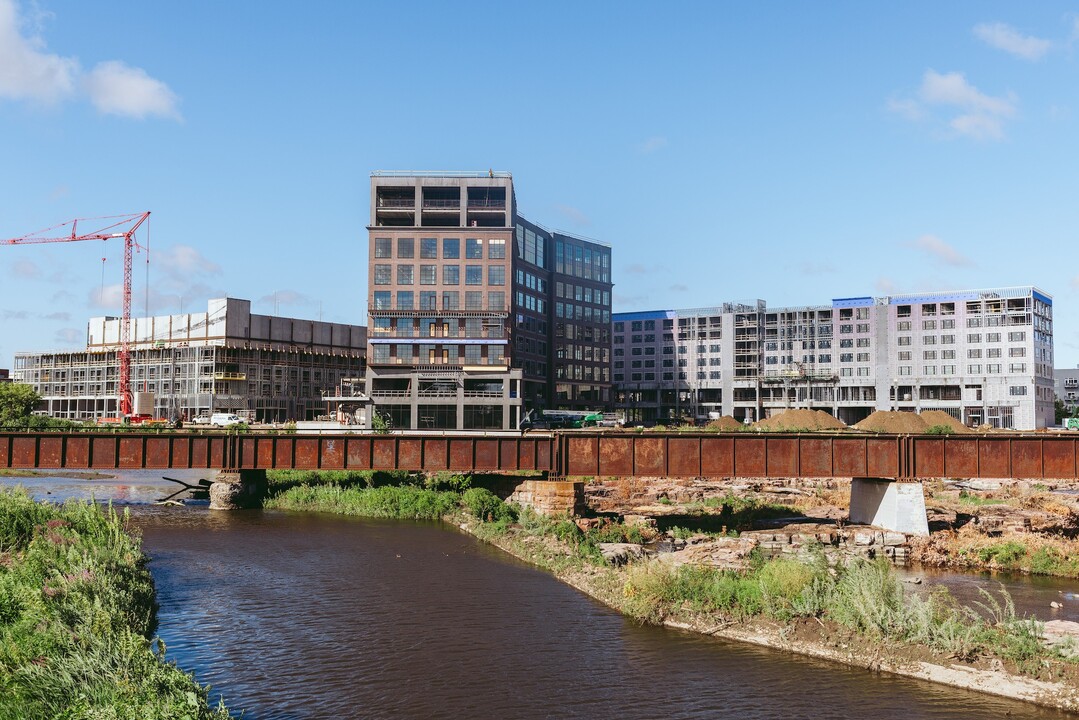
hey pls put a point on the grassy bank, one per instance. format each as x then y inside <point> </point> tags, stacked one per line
<point>1031,553</point>
<point>77,612</point>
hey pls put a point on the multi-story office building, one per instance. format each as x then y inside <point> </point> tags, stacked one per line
<point>475,313</point>
<point>227,359</point>
<point>1066,388</point>
<point>983,356</point>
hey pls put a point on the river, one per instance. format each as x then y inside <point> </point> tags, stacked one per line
<point>312,616</point>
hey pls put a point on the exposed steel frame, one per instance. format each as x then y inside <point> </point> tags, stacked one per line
<point>569,454</point>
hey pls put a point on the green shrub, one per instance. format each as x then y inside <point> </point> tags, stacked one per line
<point>782,582</point>
<point>1005,555</point>
<point>939,430</point>
<point>483,504</point>
<point>444,480</point>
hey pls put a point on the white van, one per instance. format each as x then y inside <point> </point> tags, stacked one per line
<point>224,419</point>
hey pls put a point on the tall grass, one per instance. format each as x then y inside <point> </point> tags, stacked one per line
<point>389,501</point>
<point>77,611</point>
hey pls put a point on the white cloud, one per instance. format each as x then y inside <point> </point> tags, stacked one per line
<point>182,260</point>
<point>118,89</point>
<point>886,286</point>
<point>652,144</point>
<point>679,287</point>
<point>573,214</point>
<point>1006,38</point>
<point>942,251</point>
<point>24,269</point>
<point>973,113</point>
<point>286,298</point>
<point>71,336</point>
<point>636,269</point>
<point>1075,283</point>
<point>28,72</point>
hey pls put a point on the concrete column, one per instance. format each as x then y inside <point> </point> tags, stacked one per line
<point>237,490</point>
<point>889,505</point>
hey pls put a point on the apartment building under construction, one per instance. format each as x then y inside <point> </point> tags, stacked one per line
<point>983,356</point>
<point>264,368</point>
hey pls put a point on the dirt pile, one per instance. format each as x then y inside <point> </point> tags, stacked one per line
<point>891,421</point>
<point>939,417</point>
<point>724,424</point>
<point>797,420</point>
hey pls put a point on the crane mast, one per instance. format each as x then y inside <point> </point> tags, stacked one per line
<point>115,227</point>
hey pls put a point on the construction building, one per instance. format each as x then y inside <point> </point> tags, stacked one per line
<point>1066,388</point>
<point>264,368</point>
<point>983,356</point>
<point>476,314</point>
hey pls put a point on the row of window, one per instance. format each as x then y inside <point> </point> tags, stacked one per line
<point>583,262</point>
<point>434,327</point>
<point>428,300</point>
<point>451,248</point>
<point>451,274</point>
<point>409,354</point>
<point>972,369</point>
<point>583,293</point>
<point>584,313</point>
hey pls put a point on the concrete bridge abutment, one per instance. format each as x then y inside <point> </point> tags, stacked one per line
<point>889,504</point>
<point>238,490</point>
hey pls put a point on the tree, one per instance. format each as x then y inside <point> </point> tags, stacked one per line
<point>1062,411</point>
<point>17,401</point>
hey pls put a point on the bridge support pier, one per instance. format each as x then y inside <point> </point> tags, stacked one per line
<point>887,504</point>
<point>237,490</point>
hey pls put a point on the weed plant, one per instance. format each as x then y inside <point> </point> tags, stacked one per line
<point>77,612</point>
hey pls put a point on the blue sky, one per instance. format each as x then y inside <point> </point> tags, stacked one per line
<point>793,152</point>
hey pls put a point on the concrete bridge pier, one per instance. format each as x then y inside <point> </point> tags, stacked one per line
<point>237,490</point>
<point>888,504</point>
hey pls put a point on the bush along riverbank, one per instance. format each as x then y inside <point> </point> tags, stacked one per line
<point>77,612</point>
<point>857,613</point>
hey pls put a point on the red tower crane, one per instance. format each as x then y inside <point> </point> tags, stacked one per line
<point>116,226</point>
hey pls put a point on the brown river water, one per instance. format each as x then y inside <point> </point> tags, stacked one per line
<point>315,616</point>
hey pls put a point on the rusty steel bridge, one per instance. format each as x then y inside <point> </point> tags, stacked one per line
<point>571,454</point>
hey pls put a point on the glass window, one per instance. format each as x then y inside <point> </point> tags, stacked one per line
<point>406,247</point>
<point>473,300</point>
<point>428,300</point>
<point>383,247</point>
<point>429,248</point>
<point>405,274</point>
<point>404,300</point>
<point>383,274</point>
<point>428,274</point>
<point>451,274</point>
<point>451,248</point>
<point>382,300</point>
<point>496,300</point>
<point>496,249</point>
<point>473,274</point>
<point>451,300</point>
<point>473,249</point>
<point>496,274</point>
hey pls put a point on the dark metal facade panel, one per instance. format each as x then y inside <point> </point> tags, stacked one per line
<point>76,452</point>
<point>684,457</point>
<point>717,457</point>
<point>132,453</point>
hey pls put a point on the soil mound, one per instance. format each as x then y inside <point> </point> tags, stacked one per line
<point>724,424</point>
<point>939,417</point>
<point>891,421</point>
<point>795,420</point>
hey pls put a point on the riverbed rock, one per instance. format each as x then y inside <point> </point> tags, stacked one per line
<point>722,552</point>
<point>620,553</point>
